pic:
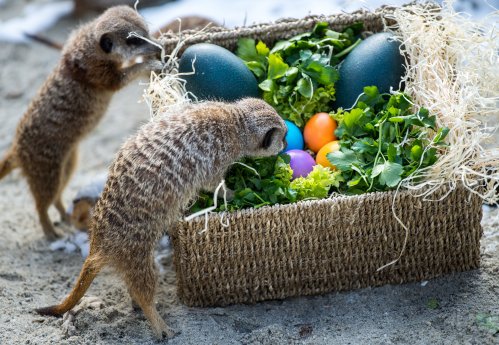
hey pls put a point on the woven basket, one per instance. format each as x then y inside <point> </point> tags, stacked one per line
<point>314,247</point>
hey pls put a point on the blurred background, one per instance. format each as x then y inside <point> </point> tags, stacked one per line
<point>34,16</point>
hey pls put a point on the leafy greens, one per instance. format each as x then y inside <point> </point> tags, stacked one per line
<point>297,76</point>
<point>270,183</point>
<point>382,141</point>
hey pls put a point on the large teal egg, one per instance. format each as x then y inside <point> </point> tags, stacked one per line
<point>294,137</point>
<point>375,61</point>
<point>218,74</point>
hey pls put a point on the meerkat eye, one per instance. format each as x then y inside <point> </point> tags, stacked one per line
<point>106,43</point>
<point>134,41</point>
<point>267,140</point>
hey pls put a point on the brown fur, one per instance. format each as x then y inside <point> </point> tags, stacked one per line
<point>82,213</point>
<point>154,176</point>
<point>72,101</point>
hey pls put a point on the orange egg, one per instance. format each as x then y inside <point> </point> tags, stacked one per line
<point>319,131</point>
<point>321,157</point>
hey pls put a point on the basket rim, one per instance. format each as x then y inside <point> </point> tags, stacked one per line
<point>216,216</point>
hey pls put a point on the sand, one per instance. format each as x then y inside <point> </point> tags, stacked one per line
<point>455,309</point>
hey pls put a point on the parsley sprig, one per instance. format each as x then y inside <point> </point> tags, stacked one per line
<point>383,141</point>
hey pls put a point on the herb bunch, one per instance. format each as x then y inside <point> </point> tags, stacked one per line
<point>267,181</point>
<point>297,76</point>
<point>382,141</point>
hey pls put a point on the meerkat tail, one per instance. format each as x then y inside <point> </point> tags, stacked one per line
<point>8,164</point>
<point>89,271</point>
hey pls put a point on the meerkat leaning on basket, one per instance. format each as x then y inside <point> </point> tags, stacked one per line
<point>154,176</point>
<point>98,59</point>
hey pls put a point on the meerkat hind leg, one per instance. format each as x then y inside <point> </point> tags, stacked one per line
<point>45,185</point>
<point>141,282</point>
<point>67,171</point>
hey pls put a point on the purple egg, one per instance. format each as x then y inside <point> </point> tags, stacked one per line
<point>301,162</point>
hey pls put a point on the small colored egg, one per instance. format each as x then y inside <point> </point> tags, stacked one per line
<point>375,61</point>
<point>214,73</point>
<point>319,131</point>
<point>301,163</point>
<point>294,138</point>
<point>321,157</point>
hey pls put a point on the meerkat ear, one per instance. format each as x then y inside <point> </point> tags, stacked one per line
<point>106,43</point>
<point>267,139</point>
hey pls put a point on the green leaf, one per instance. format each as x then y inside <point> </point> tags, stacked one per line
<point>317,183</point>
<point>343,159</point>
<point>305,87</point>
<point>320,28</point>
<point>277,67</point>
<point>371,96</point>
<point>366,145</point>
<point>440,136</point>
<point>266,85</point>
<point>389,173</point>
<point>257,68</point>
<point>353,117</point>
<point>246,49</point>
<point>281,45</point>
<point>392,152</point>
<point>262,49</point>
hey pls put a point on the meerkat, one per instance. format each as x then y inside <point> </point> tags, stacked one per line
<point>151,181</point>
<point>98,59</point>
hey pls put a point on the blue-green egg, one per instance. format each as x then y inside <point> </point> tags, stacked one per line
<point>294,137</point>
<point>375,61</point>
<point>218,74</point>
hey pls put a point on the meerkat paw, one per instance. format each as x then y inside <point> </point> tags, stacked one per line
<point>162,330</point>
<point>68,327</point>
<point>53,235</point>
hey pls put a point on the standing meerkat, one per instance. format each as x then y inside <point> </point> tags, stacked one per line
<point>154,176</point>
<point>98,59</point>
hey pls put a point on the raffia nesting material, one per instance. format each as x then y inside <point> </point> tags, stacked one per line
<point>314,247</point>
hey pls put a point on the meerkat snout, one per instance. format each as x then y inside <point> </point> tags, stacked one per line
<point>267,129</point>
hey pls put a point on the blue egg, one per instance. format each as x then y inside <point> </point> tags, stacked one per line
<point>294,137</point>
<point>214,73</point>
<point>375,61</point>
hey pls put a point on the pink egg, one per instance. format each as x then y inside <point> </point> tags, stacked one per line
<point>301,162</point>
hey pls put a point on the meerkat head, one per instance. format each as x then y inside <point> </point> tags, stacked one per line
<point>266,130</point>
<point>117,32</point>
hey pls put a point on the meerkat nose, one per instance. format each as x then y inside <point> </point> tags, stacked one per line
<point>148,49</point>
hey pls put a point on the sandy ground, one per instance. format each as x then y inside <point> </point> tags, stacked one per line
<point>457,309</point>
